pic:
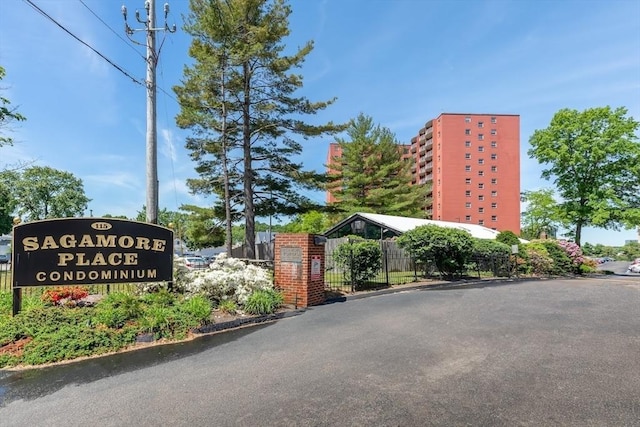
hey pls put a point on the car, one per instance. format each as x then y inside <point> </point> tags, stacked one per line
<point>5,258</point>
<point>195,262</point>
<point>634,268</point>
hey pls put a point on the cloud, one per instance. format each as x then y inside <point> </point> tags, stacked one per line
<point>117,179</point>
<point>168,148</point>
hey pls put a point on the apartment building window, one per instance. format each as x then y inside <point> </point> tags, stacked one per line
<point>481,197</point>
<point>494,169</point>
<point>494,218</point>
<point>494,120</point>
<point>480,173</point>
<point>480,210</point>
<point>494,193</point>
<point>494,180</point>
<point>467,205</point>
<point>481,148</point>
<point>467,156</point>
<point>494,156</point>
<point>467,143</point>
<point>494,144</point>
<point>494,205</point>
<point>481,161</point>
<point>467,193</point>
<point>480,124</point>
<point>467,218</point>
<point>481,222</point>
<point>467,168</point>
<point>494,132</point>
<point>480,137</point>
<point>467,180</point>
<point>481,186</point>
<point>467,131</point>
<point>467,119</point>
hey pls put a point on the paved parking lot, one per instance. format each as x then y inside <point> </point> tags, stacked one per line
<point>537,353</point>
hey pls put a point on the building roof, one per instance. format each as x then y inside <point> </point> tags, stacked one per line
<point>401,224</point>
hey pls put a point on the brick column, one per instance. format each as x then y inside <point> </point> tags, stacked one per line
<point>299,269</point>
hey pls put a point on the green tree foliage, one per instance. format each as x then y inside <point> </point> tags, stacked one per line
<point>360,259</point>
<point>8,115</point>
<point>631,250</point>
<point>372,176</point>
<point>309,222</point>
<point>237,98</point>
<point>201,228</point>
<point>593,158</point>
<point>449,248</point>
<point>166,218</point>
<point>42,192</point>
<point>507,237</point>
<point>541,216</point>
<point>7,201</point>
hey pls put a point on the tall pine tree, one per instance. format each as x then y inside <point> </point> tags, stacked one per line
<point>238,99</point>
<point>372,175</point>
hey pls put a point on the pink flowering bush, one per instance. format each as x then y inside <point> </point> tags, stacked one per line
<point>574,252</point>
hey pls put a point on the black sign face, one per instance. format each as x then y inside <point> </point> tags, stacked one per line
<point>81,251</point>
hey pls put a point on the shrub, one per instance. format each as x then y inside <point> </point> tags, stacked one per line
<point>198,307</point>
<point>228,306</point>
<point>228,278</point>
<point>490,255</point>
<point>116,309</point>
<point>507,237</point>
<point>360,259</point>
<point>574,252</point>
<point>57,295</point>
<point>449,248</point>
<point>562,264</point>
<point>539,260</point>
<point>263,301</point>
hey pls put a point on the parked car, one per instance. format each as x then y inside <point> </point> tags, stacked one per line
<point>634,267</point>
<point>195,263</point>
<point>5,258</point>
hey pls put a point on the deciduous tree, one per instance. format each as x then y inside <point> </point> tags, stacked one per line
<point>42,192</point>
<point>541,216</point>
<point>593,158</point>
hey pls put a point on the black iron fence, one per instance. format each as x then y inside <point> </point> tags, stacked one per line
<point>397,268</point>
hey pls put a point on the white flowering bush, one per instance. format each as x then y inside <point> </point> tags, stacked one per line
<point>227,279</point>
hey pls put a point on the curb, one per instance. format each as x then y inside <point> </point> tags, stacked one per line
<point>437,286</point>
<point>236,323</point>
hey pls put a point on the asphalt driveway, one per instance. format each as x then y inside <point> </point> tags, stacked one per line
<point>551,352</point>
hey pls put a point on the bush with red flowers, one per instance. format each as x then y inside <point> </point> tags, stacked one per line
<point>63,294</point>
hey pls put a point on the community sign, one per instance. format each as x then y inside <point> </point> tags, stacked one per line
<point>80,251</point>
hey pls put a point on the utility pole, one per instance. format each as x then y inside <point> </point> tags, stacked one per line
<point>152,134</point>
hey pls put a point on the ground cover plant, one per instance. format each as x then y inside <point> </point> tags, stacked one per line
<point>60,324</point>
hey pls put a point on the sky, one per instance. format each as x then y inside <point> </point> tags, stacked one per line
<point>401,62</point>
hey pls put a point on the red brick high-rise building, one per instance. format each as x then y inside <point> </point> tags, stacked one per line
<point>472,162</point>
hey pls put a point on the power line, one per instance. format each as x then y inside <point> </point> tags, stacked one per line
<point>112,30</point>
<point>117,67</point>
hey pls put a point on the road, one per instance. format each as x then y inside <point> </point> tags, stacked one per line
<point>533,353</point>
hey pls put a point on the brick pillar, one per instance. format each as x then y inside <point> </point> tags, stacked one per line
<point>299,269</point>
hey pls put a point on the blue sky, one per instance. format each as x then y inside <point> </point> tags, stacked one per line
<point>401,62</point>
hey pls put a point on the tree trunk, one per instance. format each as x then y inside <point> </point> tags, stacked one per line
<point>249,214</point>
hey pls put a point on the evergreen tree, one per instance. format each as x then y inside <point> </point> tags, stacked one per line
<point>372,175</point>
<point>238,100</point>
